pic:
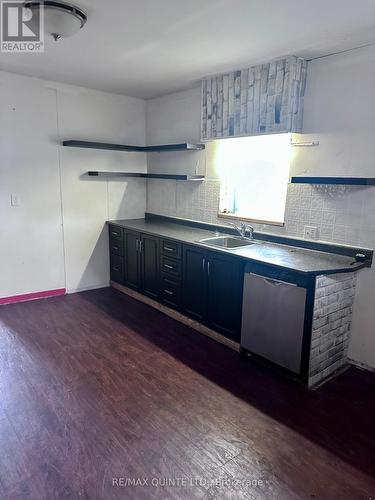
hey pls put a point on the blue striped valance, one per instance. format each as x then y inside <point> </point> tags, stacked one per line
<point>261,99</point>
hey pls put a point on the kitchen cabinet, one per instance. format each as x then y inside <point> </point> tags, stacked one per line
<point>212,290</point>
<point>171,273</point>
<point>203,284</point>
<point>195,282</point>
<point>225,280</point>
<point>149,256</point>
<point>132,259</point>
<point>116,248</point>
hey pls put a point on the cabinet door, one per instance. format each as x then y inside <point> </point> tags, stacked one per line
<point>195,282</point>
<point>132,260</point>
<point>116,268</point>
<point>150,265</point>
<point>225,285</point>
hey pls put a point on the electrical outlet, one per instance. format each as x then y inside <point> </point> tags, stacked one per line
<point>310,232</point>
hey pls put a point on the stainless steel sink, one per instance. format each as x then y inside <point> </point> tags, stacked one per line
<point>227,241</point>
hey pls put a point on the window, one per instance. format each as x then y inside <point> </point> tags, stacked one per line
<point>254,174</point>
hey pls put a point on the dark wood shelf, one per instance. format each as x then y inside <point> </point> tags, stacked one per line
<point>185,146</point>
<point>177,177</point>
<point>140,149</point>
<point>348,181</point>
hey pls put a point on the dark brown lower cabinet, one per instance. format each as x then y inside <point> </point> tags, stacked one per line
<point>194,283</point>
<point>170,290</point>
<point>116,268</point>
<point>224,294</point>
<point>149,254</point>
<point>132,262</point>
<point>137,266</point>
<point>205,285</point>
<point>212,290</point>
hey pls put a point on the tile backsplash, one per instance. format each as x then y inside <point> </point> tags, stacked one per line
<point>341,214</point>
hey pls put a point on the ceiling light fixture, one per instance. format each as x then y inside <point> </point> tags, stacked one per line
<point>60,19</point>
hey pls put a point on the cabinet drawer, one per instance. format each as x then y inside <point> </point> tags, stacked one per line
<point>170,291</point>
<point>171,248</point>
<point>116,268</point>
<point>170,266</point>
<point>115,232</point>
<point>116,246</point>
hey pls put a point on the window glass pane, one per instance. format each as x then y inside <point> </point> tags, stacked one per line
<point>254,174</point>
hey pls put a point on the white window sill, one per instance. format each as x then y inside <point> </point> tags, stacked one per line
<point>247,219</point>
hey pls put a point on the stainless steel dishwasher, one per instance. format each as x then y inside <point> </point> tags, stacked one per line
<point>273,317</point>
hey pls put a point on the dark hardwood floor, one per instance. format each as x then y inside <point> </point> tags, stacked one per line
<point>97,389</point>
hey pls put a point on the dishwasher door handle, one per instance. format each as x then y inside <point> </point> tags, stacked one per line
<point>273,281</point>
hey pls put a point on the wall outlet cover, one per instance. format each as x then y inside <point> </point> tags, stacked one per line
<point>310,232</point>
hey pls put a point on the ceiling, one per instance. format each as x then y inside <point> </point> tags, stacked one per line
<point>147,48</point>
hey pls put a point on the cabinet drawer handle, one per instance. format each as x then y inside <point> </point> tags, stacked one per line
<point>168,266</point>
<point>116,269</point>
<point>169,249</point>
<point>170,282</point>
<point>168,292</point>
<point>115,234</point>
<point>115,248</point>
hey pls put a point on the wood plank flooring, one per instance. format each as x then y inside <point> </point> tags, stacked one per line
<point>97,389</point>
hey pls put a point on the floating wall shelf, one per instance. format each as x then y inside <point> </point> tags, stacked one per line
<point>140,149</point>
<point>351,181</point>
<point>177,177</point>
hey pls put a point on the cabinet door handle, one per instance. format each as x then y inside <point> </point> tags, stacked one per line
<point>203,264</point>
<point>114,233</point>
<point>140,246</point>
<point>169,249</point>
<point>208,268</point>
<point>137,245</point>
<point>168,266</point>
<point>168,292</point>
<point>115,248</point>
<point>116,269</point>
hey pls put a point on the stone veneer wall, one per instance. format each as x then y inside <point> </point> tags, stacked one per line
<point>333,307</point>
<point>260,99</point>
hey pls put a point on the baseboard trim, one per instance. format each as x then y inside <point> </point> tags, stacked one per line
<point>32,296</point>
<point>177,316</point>
<point>361,366</point>
<point>87,288</point>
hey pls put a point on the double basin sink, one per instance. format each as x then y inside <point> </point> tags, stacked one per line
<point>229,242</point>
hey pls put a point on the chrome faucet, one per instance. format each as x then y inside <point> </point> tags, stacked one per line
<point>243,228</point>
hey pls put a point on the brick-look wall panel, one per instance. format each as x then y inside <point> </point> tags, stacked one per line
<point>333,307</point>
<point>261,99</point>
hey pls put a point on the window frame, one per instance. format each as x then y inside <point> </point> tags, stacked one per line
<point>239,217</point>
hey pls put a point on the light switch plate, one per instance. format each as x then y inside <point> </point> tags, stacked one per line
<point>310,232</point>
<point>14,200</point>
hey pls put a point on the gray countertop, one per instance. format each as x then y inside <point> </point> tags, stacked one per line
<point>301,260</point>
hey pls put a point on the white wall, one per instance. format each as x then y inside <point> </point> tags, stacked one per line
<point>172,119</point>
<point>37,252</point>
<point>339,111</point>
